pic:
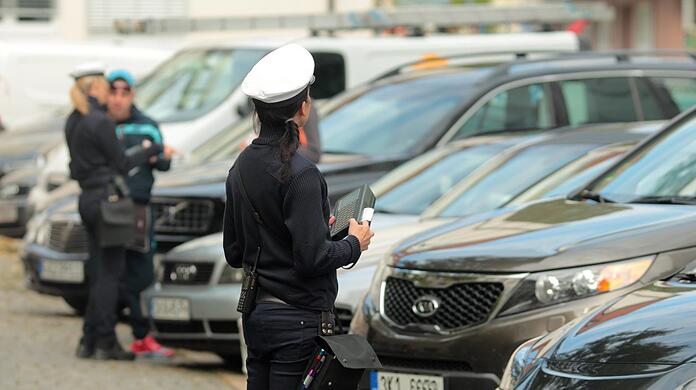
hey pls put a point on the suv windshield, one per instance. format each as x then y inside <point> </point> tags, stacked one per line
<point>511,178</point>
<point>194,82</point>
<point>396,118</point>
<point>428,182</point>
<point>663,168</point>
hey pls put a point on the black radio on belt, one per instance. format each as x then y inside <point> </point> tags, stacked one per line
<point>358,204</point>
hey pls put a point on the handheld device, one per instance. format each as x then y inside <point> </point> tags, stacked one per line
<point>358,204</point>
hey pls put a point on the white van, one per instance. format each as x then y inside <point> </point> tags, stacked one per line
<point>34,76</point>
<point>195,94</point>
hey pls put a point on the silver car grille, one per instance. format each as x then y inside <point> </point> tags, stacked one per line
<point>183,216</point>
<point>68,237</point>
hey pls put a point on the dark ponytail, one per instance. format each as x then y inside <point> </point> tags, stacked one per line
<point>281,116</point>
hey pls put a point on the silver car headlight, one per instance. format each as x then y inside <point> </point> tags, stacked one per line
<point>10,190</point>
<point>231,275</point>
<point>43,232</point>
<point>524,357</point>
<point>553,287</point>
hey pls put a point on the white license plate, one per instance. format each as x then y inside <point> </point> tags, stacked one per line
<point>62,271</point>
<point>8,214</point>
<point>172,309</point>
<point>394,381</point>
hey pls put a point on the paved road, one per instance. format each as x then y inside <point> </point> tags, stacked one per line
<point>38,335</point>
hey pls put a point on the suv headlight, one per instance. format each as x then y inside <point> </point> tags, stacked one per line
<point>231,275</point>
<point>549,288</point>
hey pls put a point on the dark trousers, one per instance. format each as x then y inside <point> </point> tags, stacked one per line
<point>139,275</point>
<point>280,343</point>
<point>107,266</point>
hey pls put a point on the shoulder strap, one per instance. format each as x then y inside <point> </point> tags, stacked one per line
<point>257,216</point>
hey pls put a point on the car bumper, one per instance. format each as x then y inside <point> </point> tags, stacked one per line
<point>473,358</point>
<point>14,214</point>
<point>33,254</point>
<point>213,324</point>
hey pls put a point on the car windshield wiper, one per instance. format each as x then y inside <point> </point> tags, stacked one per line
<point>591,195</point>
<point>688,200</point>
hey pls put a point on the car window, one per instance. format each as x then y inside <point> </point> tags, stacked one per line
<point>428,183</point>
<point>329,74</point>
<point>681,92</point>
<point>225,144</point>
<point>664,167</point>
<point>513,177</point>
<point>522,108</point>
<point>396,118</point>
<point>600,100</point>
<point>193,82</point>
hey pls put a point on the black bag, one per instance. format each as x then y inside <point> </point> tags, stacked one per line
<point>141,229</point>
<point>339,363</point>
<point>116,216</point>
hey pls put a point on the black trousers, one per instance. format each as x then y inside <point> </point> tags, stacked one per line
<point>139,275</point>
<point>280,343</point>
<point>107,266</point>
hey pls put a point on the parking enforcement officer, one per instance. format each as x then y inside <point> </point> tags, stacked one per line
<point>96,157</point>
<point>298,260</point>
<point>132,128</point>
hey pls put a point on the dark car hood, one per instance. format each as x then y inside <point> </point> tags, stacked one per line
<point>651,326</point>
<point>208,179</point>
<point>550,234</point>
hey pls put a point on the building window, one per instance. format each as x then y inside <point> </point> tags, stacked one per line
<point>103,15</point>
<point>27,10</point>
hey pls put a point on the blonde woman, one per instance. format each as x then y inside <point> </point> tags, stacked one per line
<point>96,158</point>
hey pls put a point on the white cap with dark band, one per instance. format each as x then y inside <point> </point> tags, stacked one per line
<point>280,75</point>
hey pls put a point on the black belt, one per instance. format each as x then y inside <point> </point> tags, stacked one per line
<point>264,296</point>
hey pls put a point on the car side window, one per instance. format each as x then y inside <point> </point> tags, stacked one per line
<point>522,108</point>
<point>600,100</point>
<point>680,92</point>
<point>330,75</point>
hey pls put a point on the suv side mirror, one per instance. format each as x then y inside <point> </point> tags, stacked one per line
<point>245,107</point>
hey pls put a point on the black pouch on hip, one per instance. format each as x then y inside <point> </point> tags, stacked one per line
<point>250,288</point>
<point>339,362</point>
<point>116,216</point>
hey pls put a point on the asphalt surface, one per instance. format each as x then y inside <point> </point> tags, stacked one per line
<point>38,336</point>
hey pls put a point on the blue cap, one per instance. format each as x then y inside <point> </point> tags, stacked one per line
<point>121,74</point>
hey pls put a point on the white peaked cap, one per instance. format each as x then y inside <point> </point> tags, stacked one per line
<point>280,74</point>
<point>88,69</point>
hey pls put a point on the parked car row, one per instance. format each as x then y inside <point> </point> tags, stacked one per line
<point>514,197</point>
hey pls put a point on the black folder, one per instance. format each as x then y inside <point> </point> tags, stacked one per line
<point>358,204</point>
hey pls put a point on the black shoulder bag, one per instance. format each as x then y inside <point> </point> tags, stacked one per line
<point>338,362</point>
<point>250,286</point>
<point>116,215</point>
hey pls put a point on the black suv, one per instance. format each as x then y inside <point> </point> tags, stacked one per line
<point>449,306</point>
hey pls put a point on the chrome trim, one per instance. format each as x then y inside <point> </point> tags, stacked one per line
<point>449,134</point>
<point>444,280</point>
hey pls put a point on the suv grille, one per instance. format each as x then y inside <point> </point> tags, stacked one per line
<point>182,216</point>
<point>68,237</point>
<point>187,273</point>
<point>460,305</point>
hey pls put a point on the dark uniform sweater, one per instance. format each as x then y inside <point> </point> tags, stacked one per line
<point>299,260</point>
<point>132,132</point>
<point>96,155</point>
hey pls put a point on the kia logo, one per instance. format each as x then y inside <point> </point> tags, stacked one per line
<point>426,306</point>
<point>183,272</point>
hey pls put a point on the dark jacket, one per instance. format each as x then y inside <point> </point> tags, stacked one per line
<point>96,155</point>
<point>132,132</point>
<point>299,260</point>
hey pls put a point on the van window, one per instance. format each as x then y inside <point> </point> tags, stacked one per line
<point>330,75</point>
<point>600,100</point>
<point>194,82</point>
<point>523,108</point>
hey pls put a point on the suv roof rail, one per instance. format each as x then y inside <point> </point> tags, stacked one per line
<point>436,61</point>
<point>620,56</point>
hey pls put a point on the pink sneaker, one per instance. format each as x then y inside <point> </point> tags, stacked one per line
<point>149,347</point>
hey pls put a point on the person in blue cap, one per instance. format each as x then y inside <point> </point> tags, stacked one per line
<point>133,127</point>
